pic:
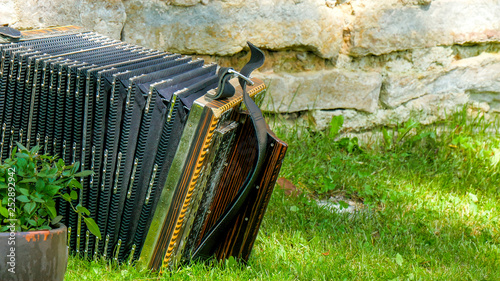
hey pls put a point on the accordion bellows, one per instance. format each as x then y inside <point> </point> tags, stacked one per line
<point>168,160</point>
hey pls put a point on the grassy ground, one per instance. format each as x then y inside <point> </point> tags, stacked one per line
<point>431,209</point>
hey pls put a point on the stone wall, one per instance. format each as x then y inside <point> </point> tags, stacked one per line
<point>374,61</point>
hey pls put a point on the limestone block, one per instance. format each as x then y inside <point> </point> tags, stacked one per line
<point>8,13</point>
<point>381,27</point>
<point>223,27</point>
<point>487,101</point>
<point>472,75</point>
<point>325,89</point>
<point>427,109</point>
<point>34,14</point>
<point>106,17</point>
<point>186,3</point>
<point>431,58</point>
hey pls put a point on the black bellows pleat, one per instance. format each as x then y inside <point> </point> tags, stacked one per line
<point>107,105</point>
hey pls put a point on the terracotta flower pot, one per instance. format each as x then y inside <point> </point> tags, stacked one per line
<point>35,255</point>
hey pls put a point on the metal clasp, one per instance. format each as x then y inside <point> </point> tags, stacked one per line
<point>224,88</point>
<point>232,71</point>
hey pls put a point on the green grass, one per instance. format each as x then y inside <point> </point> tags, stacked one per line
<point>431,199</point>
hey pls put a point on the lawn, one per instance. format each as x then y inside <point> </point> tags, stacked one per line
<point>429,200</point>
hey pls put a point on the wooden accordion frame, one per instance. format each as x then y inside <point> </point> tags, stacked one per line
<point>168,160</point>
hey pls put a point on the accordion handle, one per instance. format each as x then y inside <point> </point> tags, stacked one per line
<point>224,88</point>
<point>206,247</point>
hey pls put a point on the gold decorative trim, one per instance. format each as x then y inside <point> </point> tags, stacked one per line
<point>192,185</point>
<point>45,31</point>
<point>233,103</point>
<point>218,107</point>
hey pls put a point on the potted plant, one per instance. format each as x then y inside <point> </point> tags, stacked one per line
<point>33,242</point>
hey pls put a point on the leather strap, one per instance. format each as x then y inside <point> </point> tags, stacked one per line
<point>224,88</point>
<point>207,245</point>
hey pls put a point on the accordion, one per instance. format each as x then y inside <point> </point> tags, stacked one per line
<point>184,165</point>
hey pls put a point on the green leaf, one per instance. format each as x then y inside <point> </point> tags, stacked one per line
<point>75,167</point>
<point>32,222</point>
<point>28,180</point>
<point>50,202</point>
<point>36,199</point>
<point>76,183</point>
<point>335,125</point>
<point>294,208</point>
<point>23,198</point>
<point>40,222</point>
<point>52,172</point>
<point>30,207</point>
<point>31,168</point>
<point>231,262</point>
<point>59,181</point>
<point>66,197</point>
<point>4,212</point>
<point>82,209</point>
<point>84,173</point>
<point>22,147</point>
<point>387,138</point>
<point>52,211</point>
<point>22,155</point>
<point>51,190</point>
<point>74,195</point>
<point>22,163</point>
<point>343,205</point>
<point>56,219</point>
<point>92,226</point>
<point>35,149</point>
<point>42,212</point>
<point>399,259</point>
<point>353,145</point>
<point>40,185</point>
<point>24,191</point>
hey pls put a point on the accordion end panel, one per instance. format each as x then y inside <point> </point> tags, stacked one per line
<point>188,178</point>
<point>241,235</point>
<point>168,161</point>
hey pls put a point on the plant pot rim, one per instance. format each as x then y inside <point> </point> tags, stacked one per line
<point>36,254</point>
<point>59,227</point>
